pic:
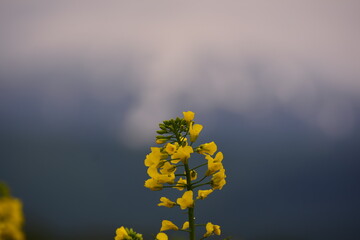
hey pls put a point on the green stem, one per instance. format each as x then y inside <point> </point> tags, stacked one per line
<point>199,180</point>
<point>191,215</point>
<point>200,166</point>
<point>191,223</point>
<point>199,185</point>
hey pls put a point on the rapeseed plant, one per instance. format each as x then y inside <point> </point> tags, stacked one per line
<point>11,215</point>
<point>169,166</point>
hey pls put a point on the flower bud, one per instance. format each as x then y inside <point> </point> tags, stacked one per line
<point>189,116</point>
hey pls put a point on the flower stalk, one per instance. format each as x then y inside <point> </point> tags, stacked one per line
<point>175,153</point>
<point>191,215</point>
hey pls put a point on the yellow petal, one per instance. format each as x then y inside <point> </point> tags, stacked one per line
<point>153,185</point>
<point>217,230</point>
<point>182,154</point>
<point>166,202</point>
<point>170,148</point>
<point>121,233</point>
<point>154,157</point>
<point>186,201</point>
<point>167,225</point>
<point>202,194</point>
<point>189,116</point>
<point>209,229</point>
<point>161,236</point>
<point>185,225</point>
<point>214,164</point>
<point>207,148</point>
<point>181,184</point>
<point>194,131</point>
<point>167,168</point>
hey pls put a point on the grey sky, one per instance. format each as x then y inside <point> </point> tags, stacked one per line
<point>242,56</point>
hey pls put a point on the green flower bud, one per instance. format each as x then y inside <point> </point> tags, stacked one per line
<point>134,235</point>
<point>162,126</point>
<point>161,131</point>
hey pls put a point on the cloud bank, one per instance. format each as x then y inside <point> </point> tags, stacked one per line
<point>247,57</point>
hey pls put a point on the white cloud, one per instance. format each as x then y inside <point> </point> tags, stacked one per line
<point>236,55</point>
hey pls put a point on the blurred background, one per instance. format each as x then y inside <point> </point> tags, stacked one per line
<point>276,84</point>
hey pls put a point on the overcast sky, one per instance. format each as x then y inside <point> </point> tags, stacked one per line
<point>241,56</point>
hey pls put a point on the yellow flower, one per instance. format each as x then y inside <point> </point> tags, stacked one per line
<point>202,194</point>
<point>152,171</point>
<point>166,178</point>
<point>161,177</point>
<point>10,231</point>
<point>154,157</point>
<point>218,179</point>
<point>11,211</point>
<point>186,201</point>
<point>182,154</point>
<point>210,229</point>
<point>170,148</point>
<point>194,131</point>
<point>121,233</point>
<point>189,116</point>
<point>214,164</point>
<point>167,168</point>
<point>161,236</point>
<point>11,215</point>
<point>166,202</point>
<point>181,184</point>
<point>207,148</point>
<point>152,184</point>
<point>185,226</point>
<point>167,225</point>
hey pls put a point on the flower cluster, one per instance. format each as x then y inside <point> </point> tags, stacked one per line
<point>11,215</point>
<point>169,166</point>
<point>123,233</point>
